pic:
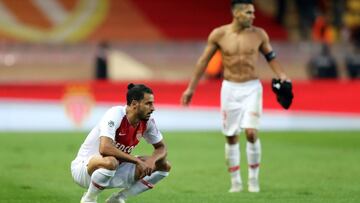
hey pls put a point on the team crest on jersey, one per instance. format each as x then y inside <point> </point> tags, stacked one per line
<point>111,124</point>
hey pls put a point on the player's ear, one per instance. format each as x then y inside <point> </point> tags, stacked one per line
<point>134,103</point>
<point>234,11</point>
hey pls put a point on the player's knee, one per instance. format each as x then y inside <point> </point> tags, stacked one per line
<point>110,163</point>
<point>251,135</point>
<point>164,165</point>
<point>232,139</point>
<point>167,166</point>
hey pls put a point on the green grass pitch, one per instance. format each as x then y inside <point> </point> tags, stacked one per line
<point>296,167</point>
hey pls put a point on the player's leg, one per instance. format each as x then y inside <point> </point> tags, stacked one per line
<point>231,117</point>
<point>102,170</point>
<point>162,170</point>
<point>232,157</point>
<point>141,185</point>
<point>232,147</point>
<point>250,123</point>
<point>253,151</point>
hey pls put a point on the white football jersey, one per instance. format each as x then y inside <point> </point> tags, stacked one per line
<point>115,125</point>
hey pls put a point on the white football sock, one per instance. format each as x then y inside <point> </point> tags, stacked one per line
<point>100,179</point>
<point>143,185</point>
<point>253,151</point>
<point>232,157</point>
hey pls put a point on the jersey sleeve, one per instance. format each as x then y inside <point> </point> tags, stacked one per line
<point>152,135</point>
<point>110,122</point>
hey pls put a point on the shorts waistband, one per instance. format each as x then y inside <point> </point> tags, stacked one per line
<point>241,84</point>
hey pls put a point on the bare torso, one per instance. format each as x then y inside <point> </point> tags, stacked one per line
<point>240,51</point>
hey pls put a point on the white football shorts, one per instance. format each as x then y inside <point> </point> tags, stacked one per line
<point>123,178</point>
<point>241,106</point>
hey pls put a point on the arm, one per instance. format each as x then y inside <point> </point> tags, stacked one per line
<point>200,67</point>
<point>160,152</point>
<point>273,63</point>
<point>278,70</point>
<point>107,148</point>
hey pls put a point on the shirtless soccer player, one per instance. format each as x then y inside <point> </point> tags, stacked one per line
<point>241,92</point>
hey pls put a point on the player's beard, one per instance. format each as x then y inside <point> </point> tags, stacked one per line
<point>247,24</point>
<point>145,117</point>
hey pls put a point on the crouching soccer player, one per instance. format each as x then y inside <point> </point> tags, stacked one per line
<point>104,159</point>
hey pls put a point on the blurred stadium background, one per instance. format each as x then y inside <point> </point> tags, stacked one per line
<point>49,52</point>
<point>64,62</point>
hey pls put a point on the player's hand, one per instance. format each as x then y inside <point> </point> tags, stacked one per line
<point>186,97</point>
<point>145,168</point>
<point>284,78</point>
<point>149,160</point>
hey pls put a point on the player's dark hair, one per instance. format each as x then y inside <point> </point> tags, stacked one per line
<point>234,2</point>
<point>136,92</point>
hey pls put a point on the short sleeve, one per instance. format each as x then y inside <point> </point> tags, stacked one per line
<point>110,122</point>
<point>152,135</point>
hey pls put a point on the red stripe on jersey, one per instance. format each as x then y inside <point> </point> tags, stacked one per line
<point>98,186</point>
<point>254,165</point>
<point>147,184</point>
<point>128,136</point>
<point>234,168</point>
